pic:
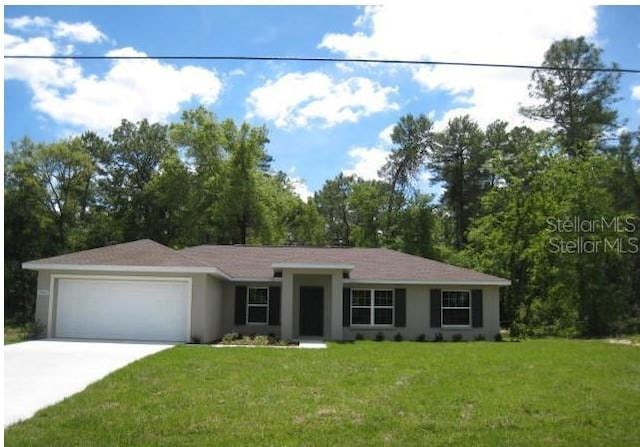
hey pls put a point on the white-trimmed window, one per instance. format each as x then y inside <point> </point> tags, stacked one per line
<point>257,305</point>
<point>371,307</point>
<point>456,308</point>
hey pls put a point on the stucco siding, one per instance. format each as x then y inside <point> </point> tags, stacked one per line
<point>418,315</point>
<point>228,311</point>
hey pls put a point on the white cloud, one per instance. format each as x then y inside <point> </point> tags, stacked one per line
<point>302,99</point>
<point>85,32</point>
<point>24,22</point>
<point>301,188</point>
<point>39,74</point>
<point>635,93</point>
<point>237,72</point>
<point>131,89</point>
<point>368,162</point>
<point>385,134</point>
<point>488,32</point>
<point>82,32</point>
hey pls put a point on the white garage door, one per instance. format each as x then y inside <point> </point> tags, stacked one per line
<point>122,309</point>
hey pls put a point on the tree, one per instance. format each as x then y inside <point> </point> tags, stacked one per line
<point>459,161</point>
<point>413,138</point>
<point>367,203</point>
<point>27,226</point>
<point>417,230</point>
<point>242,205</point>
<point>333,204</point>
<point>201,141</point>
<point>577,99</point>
<point>129,164</point>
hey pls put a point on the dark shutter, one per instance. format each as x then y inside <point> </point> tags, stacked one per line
<point>476,308</point>
<point>436,305</point>
<point>241,305</point>
<point>274,306</point>
<point>400,304</point>
<point>346,307</point>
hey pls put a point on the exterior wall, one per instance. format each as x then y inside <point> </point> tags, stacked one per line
<point>418,315</point>
<point>213,307</point>
<point>205,300</point>
<point>206,308</point>
<point>228,310</point>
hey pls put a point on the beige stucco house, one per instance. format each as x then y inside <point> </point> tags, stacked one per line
<point>143,290</point>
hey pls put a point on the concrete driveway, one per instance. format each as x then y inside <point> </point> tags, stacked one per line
<point>40,373</point>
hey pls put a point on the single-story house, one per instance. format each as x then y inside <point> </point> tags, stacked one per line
<point>144,290</point>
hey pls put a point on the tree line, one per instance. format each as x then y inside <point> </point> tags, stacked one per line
<point>201,180</point>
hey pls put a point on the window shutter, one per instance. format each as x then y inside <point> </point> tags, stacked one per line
<point>400,303</point>
<point>346,307</point>
<point>436,305</point>
<point>274,306</point>
<point>476,308</point>
<point>241,305</point>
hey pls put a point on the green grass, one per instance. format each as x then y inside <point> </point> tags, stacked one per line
<point>17,332</point>
<point>542,392</point>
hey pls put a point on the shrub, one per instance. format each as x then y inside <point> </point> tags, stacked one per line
<point>398,337</point>
<point>438,336</point>
<point>456,337</point>
<point>379,336</point>
<point>498,337</point>
<point>230,336</point>
<point>421,338</point>
<point>261,340</point>
<point>479,337</point>
<point>359,336</point>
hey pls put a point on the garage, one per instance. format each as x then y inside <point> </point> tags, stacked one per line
<point>143,308</point>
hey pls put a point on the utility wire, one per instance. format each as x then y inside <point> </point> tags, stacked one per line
<point>332,59</point>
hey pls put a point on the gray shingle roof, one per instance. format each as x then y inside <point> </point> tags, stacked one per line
<point>369,263</point>
<point>256,262</point>
<point>144,252</point>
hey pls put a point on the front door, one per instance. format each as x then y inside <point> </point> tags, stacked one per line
<point>311,311</point>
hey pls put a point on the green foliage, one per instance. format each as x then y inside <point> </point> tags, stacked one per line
<point>578,102</point>
<point>333,204</point>
<point>379,336</point>
<point>196,181</point>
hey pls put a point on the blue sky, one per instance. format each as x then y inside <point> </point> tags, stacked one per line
<point>323,118</point>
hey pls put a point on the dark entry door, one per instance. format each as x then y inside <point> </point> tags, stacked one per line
<point>311,311</point>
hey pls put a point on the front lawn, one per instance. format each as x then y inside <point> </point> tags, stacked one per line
<point>544,392</point>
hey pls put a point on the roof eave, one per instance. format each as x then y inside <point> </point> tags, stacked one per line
<point>457,282</point>
<point>311,266</point>
<point>125,268</point>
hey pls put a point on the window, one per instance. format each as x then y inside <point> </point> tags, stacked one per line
<point>257,305</point>
<point>456,308</point>
<point>371,307</point>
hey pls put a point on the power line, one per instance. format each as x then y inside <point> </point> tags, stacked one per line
<point>330,59</point>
